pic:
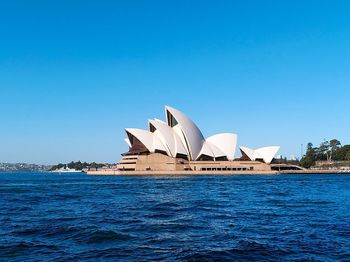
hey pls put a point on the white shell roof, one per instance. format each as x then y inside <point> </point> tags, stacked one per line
<point>191,134</point>
<point>226,142</point>
<point>211,150</point>
<point>185,138</point>
<point>148,139</point>
<point>206,150</point>
<point>145,137</point>
<point>250,153</point>
<point>128,142</point>
<point>169,138</point>
<point>265,153</point>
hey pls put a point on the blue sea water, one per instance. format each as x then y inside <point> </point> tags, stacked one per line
<point>47,217</point>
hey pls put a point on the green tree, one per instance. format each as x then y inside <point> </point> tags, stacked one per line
<point>310,157</point>
<point>323,152</point>
<point>341,152</point>
<point>347,157</point>
<point>78,165</point>
<point>334,145</point>
<point>328,150</point>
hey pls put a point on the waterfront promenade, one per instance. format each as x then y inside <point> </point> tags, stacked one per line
<point>112,172</point>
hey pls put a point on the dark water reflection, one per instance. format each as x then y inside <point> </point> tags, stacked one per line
<point>210,218</point>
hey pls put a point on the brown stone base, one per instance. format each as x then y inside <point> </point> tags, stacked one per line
<point>113,172</point>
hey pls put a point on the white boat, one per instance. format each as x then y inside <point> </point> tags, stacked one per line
<point>65,170</point>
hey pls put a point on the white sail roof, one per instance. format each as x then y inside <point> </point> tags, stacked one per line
<point>265,153</point>
<point>206,150</point>
<point>169,138</point>
<point>226,142</point>
<point>191,136</point>
<point>179,135</point>
<point>211,150</point>
<point>127,141</point>
<point>250,153</point>
<point>148,139</point>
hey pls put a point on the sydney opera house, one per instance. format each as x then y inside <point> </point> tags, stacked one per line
<point>177,144</point>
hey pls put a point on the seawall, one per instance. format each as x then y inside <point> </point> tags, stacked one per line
<point>192,173</point>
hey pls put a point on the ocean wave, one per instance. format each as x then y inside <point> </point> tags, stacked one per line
<point>103,236</point>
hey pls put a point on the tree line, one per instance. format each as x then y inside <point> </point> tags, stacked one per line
<point>331,150</point>
<point>77,165</point>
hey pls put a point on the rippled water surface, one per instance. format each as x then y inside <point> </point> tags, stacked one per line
<point>210,218</point>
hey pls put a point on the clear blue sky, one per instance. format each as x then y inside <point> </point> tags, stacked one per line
<point>73,74</point>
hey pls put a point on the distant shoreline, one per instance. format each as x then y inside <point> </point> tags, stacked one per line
<point>21,172</point>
